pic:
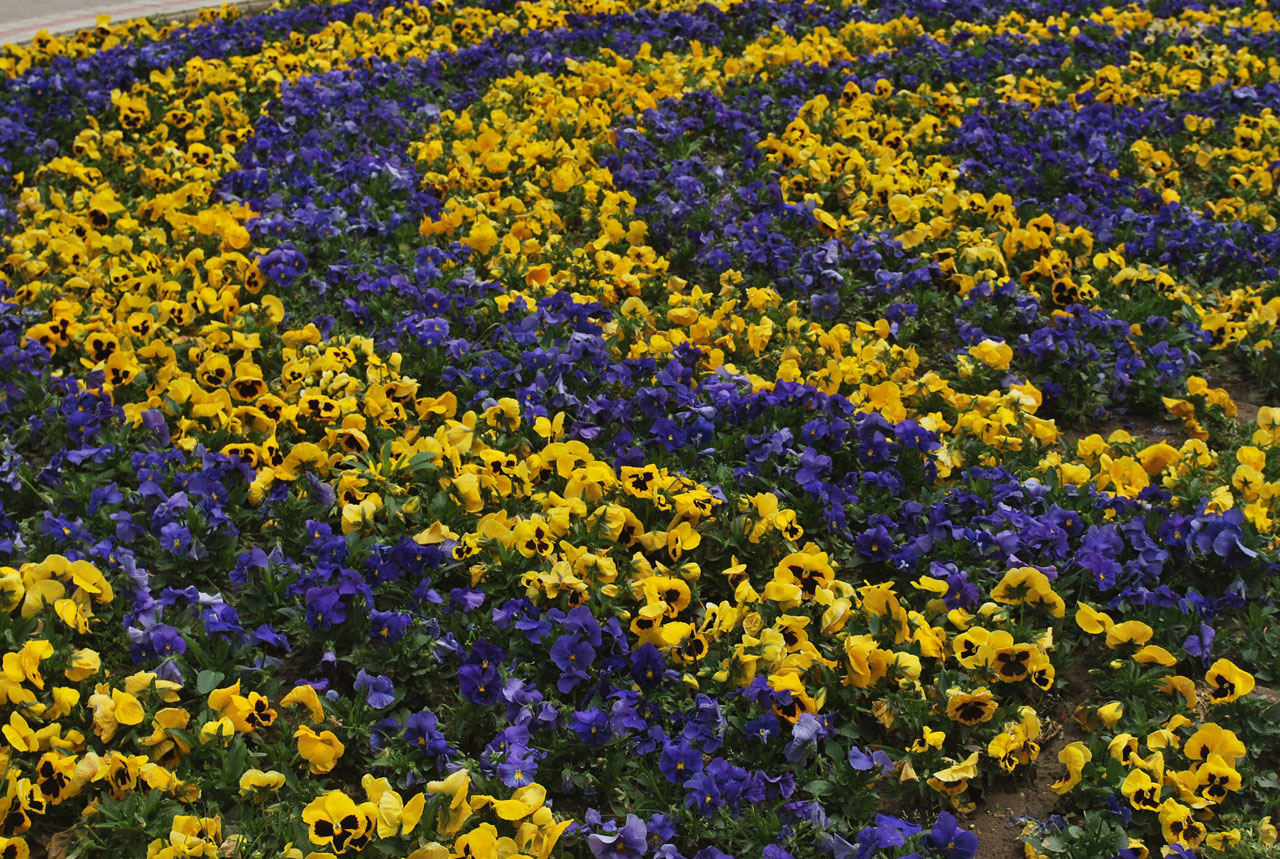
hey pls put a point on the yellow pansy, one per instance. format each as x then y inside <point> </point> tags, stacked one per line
<point>321,751</point>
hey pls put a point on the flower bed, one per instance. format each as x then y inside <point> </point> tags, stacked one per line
<point>578,428</point>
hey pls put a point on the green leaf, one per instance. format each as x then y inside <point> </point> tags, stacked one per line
<point>420,461</point>
<point>1054,844</point>
<point>207,681</point>
<point>818,787</point>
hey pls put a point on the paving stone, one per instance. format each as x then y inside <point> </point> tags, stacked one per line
<point>22,19</point>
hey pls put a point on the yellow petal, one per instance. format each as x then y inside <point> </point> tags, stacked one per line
<point>412,813</point>
<point>128,710</point>
<point>1154,654</point>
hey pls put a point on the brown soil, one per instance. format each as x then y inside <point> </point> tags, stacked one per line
<point>1154,426</point>
<point>998,820</point>
<point>1146,426</point>
<point>1267,694</point>
<point>1244,393</point>
<point>995,822</point>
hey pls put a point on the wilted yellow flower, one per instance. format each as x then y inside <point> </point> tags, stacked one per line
<point>320,751</point>
<point>1128,632</point>
<point>1110,713</point>
<point>1074,756</point>
<point>993,354</point>
<point>305,695</point>
<point>255,780</point>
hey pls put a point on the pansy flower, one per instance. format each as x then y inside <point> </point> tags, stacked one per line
<point>1228,682</point>
<point>971,708</point>
<point>334,820</point>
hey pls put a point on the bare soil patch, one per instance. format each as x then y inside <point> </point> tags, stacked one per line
<point>1008,805</point>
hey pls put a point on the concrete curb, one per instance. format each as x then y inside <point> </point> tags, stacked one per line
<point>22,31</point>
